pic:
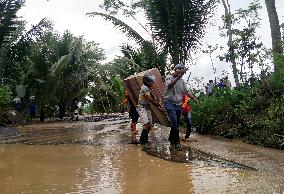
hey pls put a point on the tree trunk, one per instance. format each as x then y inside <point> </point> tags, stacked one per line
<point>275,33</point>
<point>41,116</point>
<point>61,110</point>
<point>230,41</point>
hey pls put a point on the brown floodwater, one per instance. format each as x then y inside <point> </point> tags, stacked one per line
<point>97,157</point>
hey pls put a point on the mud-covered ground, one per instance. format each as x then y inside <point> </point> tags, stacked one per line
<point>257,169</point>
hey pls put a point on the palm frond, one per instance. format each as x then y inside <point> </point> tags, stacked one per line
<point>57,67</point>
<point>130,32</point>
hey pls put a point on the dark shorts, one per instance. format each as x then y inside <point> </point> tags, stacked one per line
<point>133,114</point>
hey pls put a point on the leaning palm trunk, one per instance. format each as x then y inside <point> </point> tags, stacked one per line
<point>275,33</point>
<point>62,110</point>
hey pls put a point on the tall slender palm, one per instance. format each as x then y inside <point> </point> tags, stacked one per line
<point>8,19</point>
<point>275,34</point>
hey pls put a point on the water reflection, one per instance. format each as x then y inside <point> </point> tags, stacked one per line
<point>87,169</point>
<point>145,174</point>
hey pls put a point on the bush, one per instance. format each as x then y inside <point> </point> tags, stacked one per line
<point>5,98</point>
<point>267,135</point>
<point>253,113</point>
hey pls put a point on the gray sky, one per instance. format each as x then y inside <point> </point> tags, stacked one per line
<point>70,14</point>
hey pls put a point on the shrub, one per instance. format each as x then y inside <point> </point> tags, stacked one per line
<point>253,113</point>
<point>5,96</point>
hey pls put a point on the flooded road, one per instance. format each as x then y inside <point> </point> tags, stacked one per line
<point>97,157</point>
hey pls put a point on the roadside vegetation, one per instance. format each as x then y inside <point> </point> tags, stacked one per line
<point>253,113</point>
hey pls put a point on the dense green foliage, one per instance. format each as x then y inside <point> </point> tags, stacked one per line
<point>55,69</point>
<point>254,113</point>
<point>9,21</point>
<point>5,97</point>
<point>107,94</point>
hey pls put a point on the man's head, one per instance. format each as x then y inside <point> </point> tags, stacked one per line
<point>179,69</point>
<point>148,80</point>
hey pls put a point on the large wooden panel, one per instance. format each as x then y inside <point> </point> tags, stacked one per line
<point>133,84</point>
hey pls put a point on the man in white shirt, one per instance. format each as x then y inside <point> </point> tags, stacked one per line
<point>175,89</point>
<point>17,104</point>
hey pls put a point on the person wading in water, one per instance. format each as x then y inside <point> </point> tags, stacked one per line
<point>143,108</point>
<point>133,114</point>
<point>175,89</point>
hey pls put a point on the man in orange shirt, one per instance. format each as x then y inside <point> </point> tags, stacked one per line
<point>133,114</point>
<point>186,115</point>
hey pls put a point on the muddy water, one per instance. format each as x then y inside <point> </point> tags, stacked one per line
<point>98,158</point>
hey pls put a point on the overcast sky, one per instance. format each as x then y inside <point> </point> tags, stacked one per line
<point>70,14</point>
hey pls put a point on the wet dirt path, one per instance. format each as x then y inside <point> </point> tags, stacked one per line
<point>97,157</point>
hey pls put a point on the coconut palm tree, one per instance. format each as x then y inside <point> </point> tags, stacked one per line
<point>75,77</point>
<point>60,70</point>
<point>176,25</point>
